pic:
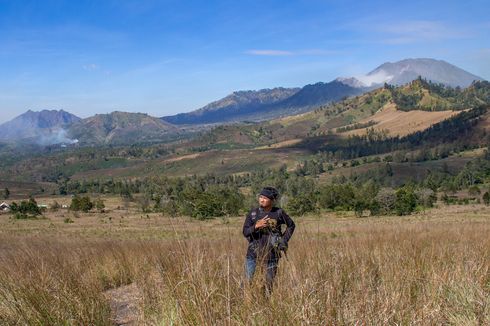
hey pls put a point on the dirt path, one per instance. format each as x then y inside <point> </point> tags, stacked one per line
<point>125,305</point>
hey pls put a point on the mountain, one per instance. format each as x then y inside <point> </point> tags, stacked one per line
<point>121,128</point>
<point>239,105</point>
<point>416,122</point>
<point>390,110</point>
<point>43,127</point>
<point>266,104</point>
<point>404,71</point>
<point>51,127</point>
<point>311,96</point>
<point>278,102</point>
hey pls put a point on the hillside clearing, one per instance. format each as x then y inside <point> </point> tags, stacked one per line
<point>402,123</point>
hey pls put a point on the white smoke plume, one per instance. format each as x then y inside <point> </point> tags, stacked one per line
<point>378,77</point>
<point>56,136</point>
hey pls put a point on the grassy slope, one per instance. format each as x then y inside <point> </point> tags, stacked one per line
<point>220,162</point>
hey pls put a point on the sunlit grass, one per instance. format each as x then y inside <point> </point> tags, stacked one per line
<point>426,269</point>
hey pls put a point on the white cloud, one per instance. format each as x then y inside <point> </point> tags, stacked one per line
<point>291,53</point>
<point>90,67</point>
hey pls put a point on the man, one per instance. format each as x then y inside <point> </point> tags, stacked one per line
<point>262,228</point>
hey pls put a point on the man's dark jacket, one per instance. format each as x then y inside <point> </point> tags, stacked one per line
<point>258,240</point>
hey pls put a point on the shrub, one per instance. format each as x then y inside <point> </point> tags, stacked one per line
<point>81,204</point>
<point>99,205</point>
<point>474,191</point>
<point>426,197</point>
<point>26,209</point>
<point>144,202</point>
<point>448,200</point>
<point>169,207</point>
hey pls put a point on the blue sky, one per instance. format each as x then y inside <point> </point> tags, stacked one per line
<point>166,57</point>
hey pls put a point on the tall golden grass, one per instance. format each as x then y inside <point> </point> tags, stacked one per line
<point>405,271</point>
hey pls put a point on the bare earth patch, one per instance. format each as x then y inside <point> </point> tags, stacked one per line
<point>183,157</point>
<point>125,304</point>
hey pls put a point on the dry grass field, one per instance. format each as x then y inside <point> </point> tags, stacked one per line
<point>430,268</point>
<point>401,123</point>
<point>21,190</point>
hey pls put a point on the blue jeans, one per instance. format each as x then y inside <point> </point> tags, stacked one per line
<point>251,264</point>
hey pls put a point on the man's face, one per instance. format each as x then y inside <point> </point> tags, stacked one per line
<point>264,201</point>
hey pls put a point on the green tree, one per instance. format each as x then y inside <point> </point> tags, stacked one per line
<point>336,196</point>
<point>215,201</point>
<point>301,204</point>
<point>207,205</point>
<point>364,199</point>
<point>360,205</point>
<point>406,200</point>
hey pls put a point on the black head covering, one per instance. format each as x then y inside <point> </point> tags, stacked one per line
<point>270,193</point>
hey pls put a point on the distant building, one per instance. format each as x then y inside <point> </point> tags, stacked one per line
<point>4,207</point>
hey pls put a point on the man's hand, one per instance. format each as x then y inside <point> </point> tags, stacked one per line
<point>262,223</point>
